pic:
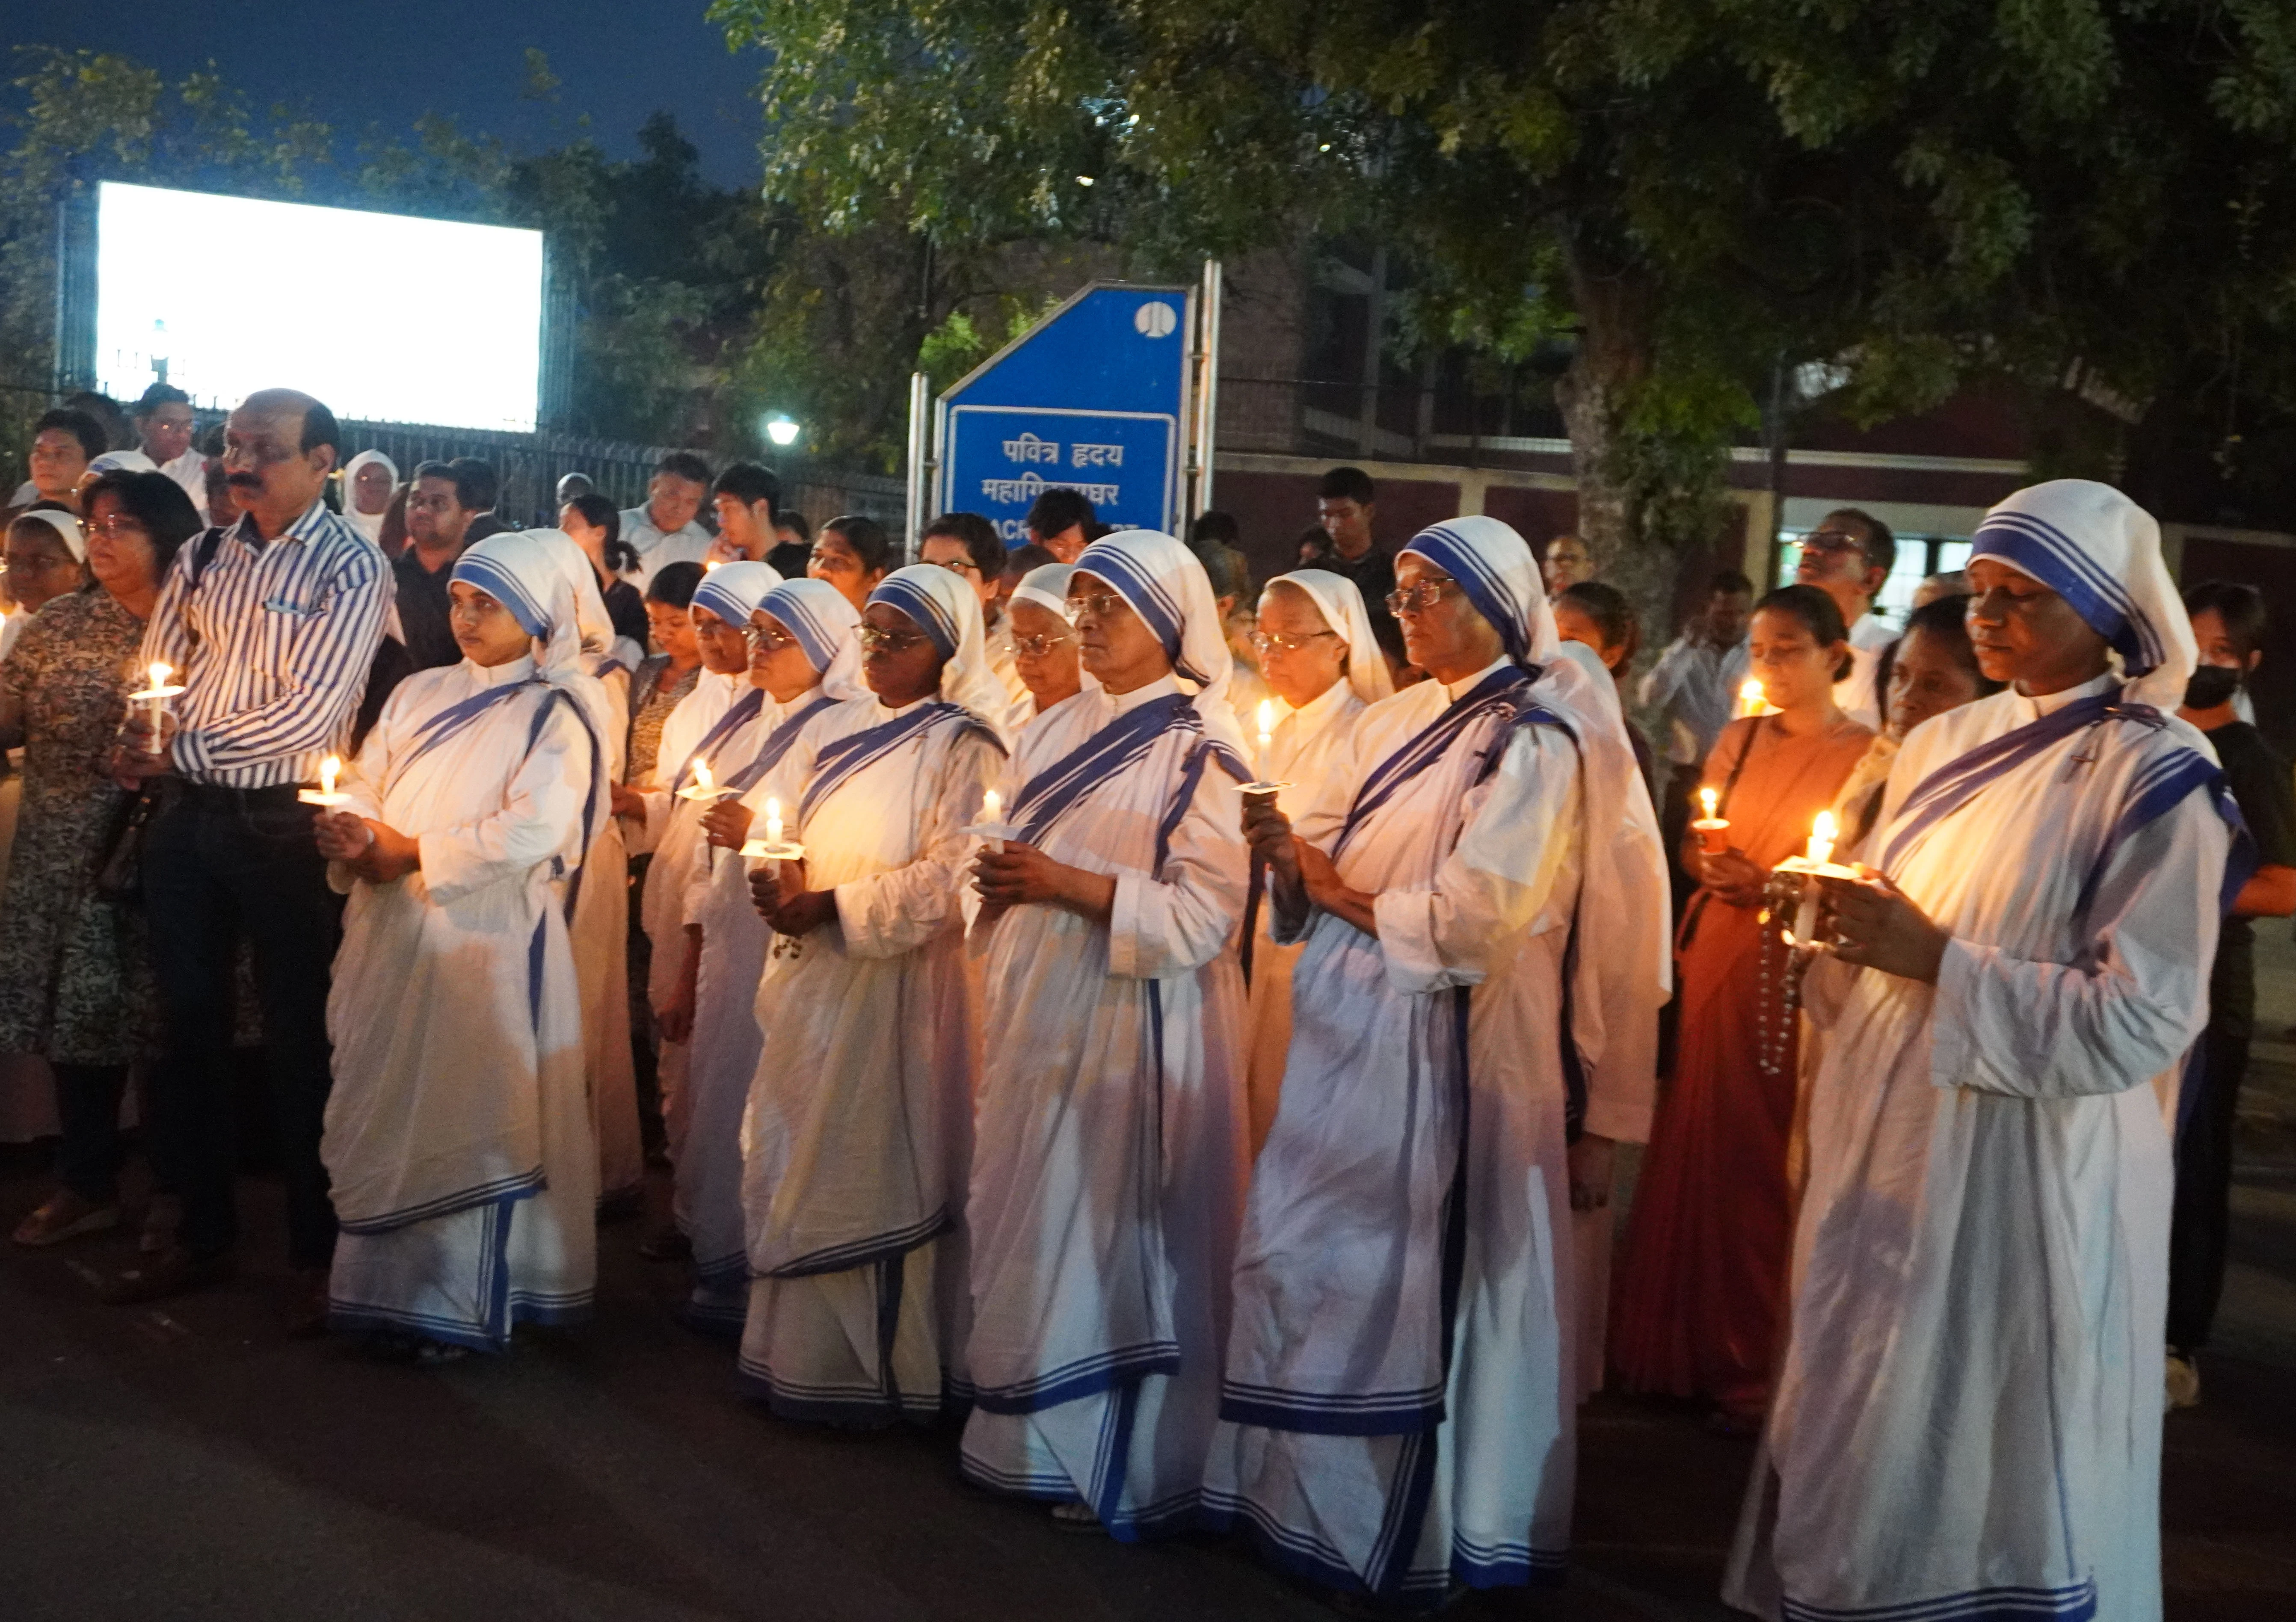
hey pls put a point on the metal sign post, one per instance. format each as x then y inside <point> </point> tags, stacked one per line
<point>1207,358</point>
<point>1097,398</point>
<point>913,512</point>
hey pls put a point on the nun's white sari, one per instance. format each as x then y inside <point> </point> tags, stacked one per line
<point>1110,1153</point>
<point>859,1127</point>
<point>672,833</point>
<point>1967,1423</point>
<point>458,1134</point>
<point>1300,753</point>
<point>1398,1401</point>
<point>601,930</point>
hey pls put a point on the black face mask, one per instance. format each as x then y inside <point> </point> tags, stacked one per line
<point>2211,686</point>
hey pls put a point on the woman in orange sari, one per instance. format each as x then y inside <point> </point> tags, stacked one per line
<point>1702,1282</point>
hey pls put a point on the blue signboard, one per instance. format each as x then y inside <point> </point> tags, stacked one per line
<point>1095,399</point>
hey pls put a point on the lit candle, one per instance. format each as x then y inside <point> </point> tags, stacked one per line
<point>1713,832</point>
<point>773,821</point>
<point>1751,699</point>
<point>329,770</point>
<point>992,807</point>
<point>160,674</point>
<point>701,783</point>
<point>1821,839</point>
<point>1267,724</point>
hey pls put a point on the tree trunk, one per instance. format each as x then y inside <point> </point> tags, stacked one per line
<point>1617,313</point>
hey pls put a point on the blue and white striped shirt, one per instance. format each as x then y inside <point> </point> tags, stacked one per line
<point>273,644</point>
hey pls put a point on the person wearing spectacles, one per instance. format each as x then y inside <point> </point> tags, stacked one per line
<point>1322,664</point>
<point>1848,557</point>
<point>864,1037</point>
<point>1045,653</point>
<point>1482,844</point>
<point>967,544</point>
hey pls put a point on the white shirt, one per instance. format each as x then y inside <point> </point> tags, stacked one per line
<point>1695,688</point>
<point>688,544</point>
<point>190,470</point>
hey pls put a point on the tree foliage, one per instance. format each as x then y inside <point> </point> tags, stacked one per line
<point>668,272</point>
<point>1696,193</point>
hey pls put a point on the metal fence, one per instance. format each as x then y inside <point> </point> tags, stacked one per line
<point>529,466</point>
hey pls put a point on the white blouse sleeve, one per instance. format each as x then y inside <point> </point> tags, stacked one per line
<point>2122,1014</point>
<point>1175,924</point>
<point>540,816</point>
<point>1521,836</point>
<point>888,913</point>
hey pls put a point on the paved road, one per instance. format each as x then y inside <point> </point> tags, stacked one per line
<point>188,1462</point>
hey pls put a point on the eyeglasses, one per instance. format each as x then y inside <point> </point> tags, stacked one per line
<point>1037,647</point>
<point>768,639</point>
<point>960,565</point>
<point>1276,642</point>
<point>118,524</point>
<point>1419,598</point>
<point>877,639</point>
<point>1100,605</point>
<point>34,562</point>
<point>1832,541</point>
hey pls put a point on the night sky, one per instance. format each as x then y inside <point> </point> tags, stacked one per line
<point>356,65</point>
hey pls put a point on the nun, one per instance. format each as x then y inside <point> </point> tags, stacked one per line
<point>1044,659</point>
<point>1108,1175</point>
<point>1318,658</point>
<point>369,479</point>
<point>858,1137</point>
<point>1967,1423</point>
<point>458,1136</point>
<point>600,920</point>
<point>1480,889</point>
<point>667,826</point>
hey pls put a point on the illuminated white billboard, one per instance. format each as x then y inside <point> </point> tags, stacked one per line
<point>385,317</point>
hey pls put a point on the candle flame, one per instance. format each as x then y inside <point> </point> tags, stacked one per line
<point>1752,700</point>
<point>773,821</point>
<point>1821,837</point>
<point>1267,721</point>
<point>992,807</point>
<point>1710,798</point>
<point>702,776</point>
<point>329,770</point>
<point>159,675</point>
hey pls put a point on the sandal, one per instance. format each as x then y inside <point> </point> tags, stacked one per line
<point>66,1216</point>
<point>1076,1516</point>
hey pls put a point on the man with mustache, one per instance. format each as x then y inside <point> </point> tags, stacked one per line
<point>271,625</point>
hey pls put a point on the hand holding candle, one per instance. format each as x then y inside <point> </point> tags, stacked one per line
<point>329,769</point>
<point>1713,832</point>
<point>157,693</point>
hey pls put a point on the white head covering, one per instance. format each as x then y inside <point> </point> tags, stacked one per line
<point>822,620</point>
<point>732,591</point>
<point>948,610</point>
<point>2101,552</point>
<point>522,570</point>
<point>368,524</point>
<point>1165,584</point>
<point>67,527</point>
<point>1340,602</point>
<point>1046,586</point>
<point>123,462</point>
<point>1625,963</point>
<point>594,625</point>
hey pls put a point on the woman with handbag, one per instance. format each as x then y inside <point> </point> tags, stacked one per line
<point>74,982</point>
<point>1702,1275</point>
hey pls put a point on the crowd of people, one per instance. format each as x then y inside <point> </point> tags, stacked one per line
<point>1178,1032</point>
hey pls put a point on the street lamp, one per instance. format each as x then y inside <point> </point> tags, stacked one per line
<point>781,430</point>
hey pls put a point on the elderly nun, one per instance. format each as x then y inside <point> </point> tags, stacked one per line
<point>1108,1176</point>
<point>1318,659</point>
<point>1967,1422</point>
<point>1481,891</point>
<point>859,1130</point>
<point>458,1134</point>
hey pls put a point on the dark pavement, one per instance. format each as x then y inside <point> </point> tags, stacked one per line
<point>188,1462</point>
